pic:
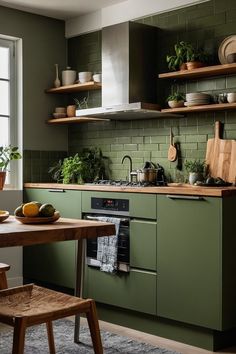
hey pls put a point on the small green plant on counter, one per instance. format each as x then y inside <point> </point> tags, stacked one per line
<point>92,166</point>
<point>7,154</point>
<point>176,96</point>
<point>55,171</point>
<point>71,169</point>
<point>196,166</point>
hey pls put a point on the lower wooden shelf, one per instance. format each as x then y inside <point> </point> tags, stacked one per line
<point>202,108</point>
<point>71,120</point>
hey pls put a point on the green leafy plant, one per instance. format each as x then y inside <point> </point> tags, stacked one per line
<point>175,61</point>
<point>196,166</point>
<point>92,164</point>
<point>83,167</point>
<point>81,104</point>
<point>7,154</point>
<point>71,169</point>
<point>176,96</point>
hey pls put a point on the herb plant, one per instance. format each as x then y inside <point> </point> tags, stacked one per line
<point>176,96</point>
<point>195,166</point>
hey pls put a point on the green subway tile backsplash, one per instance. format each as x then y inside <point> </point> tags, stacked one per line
<point>205,25</point>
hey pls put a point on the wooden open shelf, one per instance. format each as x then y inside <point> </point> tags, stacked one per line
<point>202,108</point>
<point>71,120</point>
<point>87,86</point>
<point>206,71</point>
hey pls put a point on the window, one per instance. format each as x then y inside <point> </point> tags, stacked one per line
<point>9,105</point>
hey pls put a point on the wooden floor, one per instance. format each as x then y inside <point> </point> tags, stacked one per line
<point>148,338</point>
<point>156,341</point>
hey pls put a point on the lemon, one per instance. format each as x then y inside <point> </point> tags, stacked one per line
<point>30,209</point>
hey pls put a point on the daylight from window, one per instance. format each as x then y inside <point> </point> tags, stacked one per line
<point>4,94</point>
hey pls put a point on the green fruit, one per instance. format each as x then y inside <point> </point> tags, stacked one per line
<point>19,211</point>
<point>47,210</point>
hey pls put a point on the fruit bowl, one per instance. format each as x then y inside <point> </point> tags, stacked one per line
<point>3,215</point>
<point>38,219</point>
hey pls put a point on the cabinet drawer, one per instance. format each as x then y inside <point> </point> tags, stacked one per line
<point>140,205</point>
<point>135,290</point>
<point>143,244</point>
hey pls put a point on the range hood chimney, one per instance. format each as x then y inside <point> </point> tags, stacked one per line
<point>129,73</point>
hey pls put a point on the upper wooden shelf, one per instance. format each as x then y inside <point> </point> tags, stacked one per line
<point>87,86</point>
<point>202,108</point>
<point>206,71</point>
<point>71,120</point>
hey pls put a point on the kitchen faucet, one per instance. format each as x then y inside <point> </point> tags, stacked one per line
<point>130,164</point>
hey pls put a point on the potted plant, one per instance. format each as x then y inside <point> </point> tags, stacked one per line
<point>83,167</point>
<point>177,61</point>
<point>7,154</point>
<point>175,100</point>
<point>195,59</point>
<point>195,169</point>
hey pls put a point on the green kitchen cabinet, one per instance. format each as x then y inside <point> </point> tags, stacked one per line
<point>135,290</point>
<point>53,263</point>
<point>143,244</point>
<point>196,266</point>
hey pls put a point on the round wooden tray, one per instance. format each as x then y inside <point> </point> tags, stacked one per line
<point>3,215</point>
<point>38,219</point>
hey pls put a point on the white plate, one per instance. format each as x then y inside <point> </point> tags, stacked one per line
<point>190,104</point>
<point>197,95</point>
<point>227,46</point>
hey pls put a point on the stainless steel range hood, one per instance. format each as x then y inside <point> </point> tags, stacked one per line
<point>129,73</point>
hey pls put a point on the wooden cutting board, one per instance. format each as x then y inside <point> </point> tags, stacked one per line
<point>221,156</point>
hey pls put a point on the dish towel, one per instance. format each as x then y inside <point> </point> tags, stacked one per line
<point>107,247</point>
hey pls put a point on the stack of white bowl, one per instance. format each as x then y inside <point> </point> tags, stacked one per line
<point>197,99</point>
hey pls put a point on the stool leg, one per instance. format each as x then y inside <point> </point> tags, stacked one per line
<point>51,342</point>
<point>19,335</point>
<point>94,328</point>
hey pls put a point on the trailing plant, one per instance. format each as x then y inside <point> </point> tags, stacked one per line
<point>196,166</point>
<point>7,154</point>
<point>176,96</point>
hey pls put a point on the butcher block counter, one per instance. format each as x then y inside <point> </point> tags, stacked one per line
<point>171,188</point>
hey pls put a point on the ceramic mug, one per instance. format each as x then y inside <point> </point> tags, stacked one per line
<point>231,97</point>
<point>70,110</point>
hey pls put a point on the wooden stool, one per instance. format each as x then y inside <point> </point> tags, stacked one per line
<point>29,305</point>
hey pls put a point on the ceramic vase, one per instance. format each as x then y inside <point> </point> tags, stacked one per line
<point>57,82</point>
<point>194,177</point>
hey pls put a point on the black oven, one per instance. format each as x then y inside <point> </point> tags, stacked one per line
<point>110,207</point>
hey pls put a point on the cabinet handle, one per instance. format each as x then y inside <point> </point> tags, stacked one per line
<point>56,190</point>
<point>185,197</point>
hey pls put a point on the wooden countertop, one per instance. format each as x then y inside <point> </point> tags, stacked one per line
<point>172,188</point>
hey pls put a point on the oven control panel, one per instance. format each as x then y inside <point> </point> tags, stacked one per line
<point>110,204</point>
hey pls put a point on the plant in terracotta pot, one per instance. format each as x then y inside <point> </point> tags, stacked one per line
<point>177,61</point>
<point>7,154</point>
<point>196,169</point>
<point>175,100</point>
<point>195,58</point>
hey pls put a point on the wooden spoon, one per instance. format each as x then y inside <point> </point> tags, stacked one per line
<point>172,152</point>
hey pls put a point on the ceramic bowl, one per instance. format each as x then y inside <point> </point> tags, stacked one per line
<point>3,215</point>
<point>231,97</point>
<point>60,110</point>
<point>175,104</point>
<point>85,76</point>
<point>97,77</point>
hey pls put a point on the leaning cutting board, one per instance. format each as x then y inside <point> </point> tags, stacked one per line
<point>221,156</point>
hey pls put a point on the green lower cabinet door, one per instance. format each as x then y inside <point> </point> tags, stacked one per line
<point>143,235</point>
<point>53,263</point>
<point>135,290</point>
<point>189,264</point>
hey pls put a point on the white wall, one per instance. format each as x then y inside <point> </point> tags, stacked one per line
<point>9,200</point>
<point>121,12</point>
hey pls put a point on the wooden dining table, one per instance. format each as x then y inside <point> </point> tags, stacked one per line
<point>14,233</point>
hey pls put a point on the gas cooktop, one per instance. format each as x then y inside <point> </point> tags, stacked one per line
<point>122,183</point>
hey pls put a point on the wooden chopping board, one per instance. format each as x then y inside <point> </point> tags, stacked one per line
<point>221,156</point>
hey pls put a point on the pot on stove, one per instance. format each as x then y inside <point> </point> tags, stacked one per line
<point>148,173</point>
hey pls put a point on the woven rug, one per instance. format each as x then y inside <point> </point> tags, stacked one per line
<point>36,341</point>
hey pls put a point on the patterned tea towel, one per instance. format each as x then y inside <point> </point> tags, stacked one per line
<point>107,246</point>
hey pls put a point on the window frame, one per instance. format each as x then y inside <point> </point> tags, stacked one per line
<point>14,180</point>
